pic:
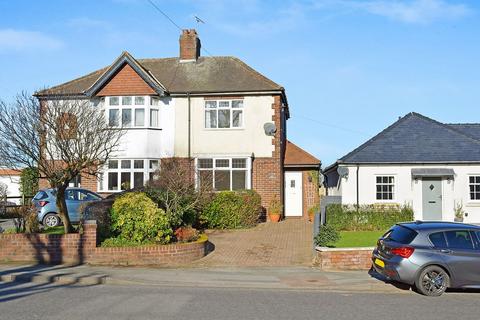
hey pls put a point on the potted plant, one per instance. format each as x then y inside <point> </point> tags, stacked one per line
<point>312,211</point>
<point>459,213</point>
<point>275,210</point>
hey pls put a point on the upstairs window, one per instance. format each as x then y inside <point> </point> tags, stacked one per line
<point>133,111</point>
<point>385,187</point>
<point>474,184</point>
<point>223,114</point>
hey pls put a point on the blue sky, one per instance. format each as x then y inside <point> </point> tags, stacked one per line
<point>350,67</point>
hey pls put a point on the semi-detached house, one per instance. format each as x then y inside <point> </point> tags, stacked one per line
<point>216,113</point>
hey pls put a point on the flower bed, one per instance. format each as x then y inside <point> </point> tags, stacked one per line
<point>82,248</point>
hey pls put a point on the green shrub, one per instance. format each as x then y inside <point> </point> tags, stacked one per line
<point>232,209</point>
<point>367,217</point>
<point>100,212</point>
<point>119,242</point>
<point>327,236</point>
<point>29,182</point>
<point>136,218</point>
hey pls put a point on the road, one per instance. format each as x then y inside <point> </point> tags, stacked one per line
<point>54,301</point>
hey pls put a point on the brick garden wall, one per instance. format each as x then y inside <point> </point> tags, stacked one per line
<point>344,258</point>
<point>82,248</point>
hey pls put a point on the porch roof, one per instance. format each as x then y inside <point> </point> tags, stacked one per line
<point>432,173</point>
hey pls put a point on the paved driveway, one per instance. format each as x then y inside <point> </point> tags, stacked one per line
<point>286,243</point>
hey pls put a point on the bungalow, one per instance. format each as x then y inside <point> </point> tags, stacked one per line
<point>431,166</point>
<point>216,113</point>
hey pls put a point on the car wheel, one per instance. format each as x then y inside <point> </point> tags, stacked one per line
<point>432,281</point>
<point>51,220</point>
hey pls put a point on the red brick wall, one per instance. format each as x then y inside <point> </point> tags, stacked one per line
<point>81,248</point>
<point>344,259</point>
<point>126,82</point>
<point>310,193</point>
<point>267,173</point>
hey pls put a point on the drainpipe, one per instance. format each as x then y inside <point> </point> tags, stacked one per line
<point>189,126</point>
<point>358,191</point>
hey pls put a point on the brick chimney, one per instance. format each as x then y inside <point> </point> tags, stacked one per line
<point>189,45</point>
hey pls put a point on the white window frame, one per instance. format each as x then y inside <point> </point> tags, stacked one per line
<point>230,101</point>
<point>393,184</point>
<point>248,169</point>
<point>470,184</point>
<point>146,106</point>
<point>146,170</point>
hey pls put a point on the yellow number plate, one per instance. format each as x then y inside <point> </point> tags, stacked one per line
<point>380,263</point>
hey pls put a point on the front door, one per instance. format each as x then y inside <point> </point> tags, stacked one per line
<point>293,194</point>
<point>432,198</point>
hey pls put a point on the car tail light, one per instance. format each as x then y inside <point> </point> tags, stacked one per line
<point>42,203</point>
<point>404,252</point>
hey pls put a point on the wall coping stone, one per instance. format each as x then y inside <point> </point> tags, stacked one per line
<point>326,249</point>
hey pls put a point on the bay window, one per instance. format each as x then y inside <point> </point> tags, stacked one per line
<point>224,173</point>
<point>129,111</point>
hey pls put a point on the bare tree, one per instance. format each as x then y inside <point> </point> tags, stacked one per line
<point>62,138</point>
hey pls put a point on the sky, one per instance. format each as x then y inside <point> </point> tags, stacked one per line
<point>350,67</point>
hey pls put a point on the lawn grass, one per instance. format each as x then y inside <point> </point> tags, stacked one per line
<point>358,239</point>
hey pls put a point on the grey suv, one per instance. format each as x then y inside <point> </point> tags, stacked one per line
<point>432,256</point>
<point>75,198</point>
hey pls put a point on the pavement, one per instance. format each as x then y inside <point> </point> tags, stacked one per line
<point>285,278</point>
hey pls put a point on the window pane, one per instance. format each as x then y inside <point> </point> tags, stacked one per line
<point>138,179</point>
<point>459,239</point>
<point>438,240</point>
<point>239,163</point>
<point>237,104</point>
<point>125,180</point>
<point>205,163</point>
<point>112,181</point>
<point>222,163</point>
<point>477,179</point>
<point>206,178</point>
<point>139,117</point>
<point>237,118</point>
<point>126,101</point>
<point>127,117</point>
<point>154,101</point>
<point>379,179</point>
<point>138,164</point>
<point>239,179</point>
<point>113,164</point>
<point>139,101</point>
<point>154,164</point>
<point>222,180</point>
<point>113,101</point>
<point>224,118</point>
<point>210,104</point>
<point>472,179</point>
<point>210,119</point>
<point>113,117</point>
<point>126,164</point>
<point>224,104</point>
<point>153,118</point>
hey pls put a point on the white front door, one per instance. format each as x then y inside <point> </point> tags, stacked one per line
<point>293,194</point>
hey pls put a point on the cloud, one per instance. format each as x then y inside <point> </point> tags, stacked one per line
<point>411,11</point>
<point>21,40</point>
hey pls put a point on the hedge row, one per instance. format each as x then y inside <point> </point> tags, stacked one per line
<point>366,217</point>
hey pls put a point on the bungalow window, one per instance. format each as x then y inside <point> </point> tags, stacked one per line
<point>223,114</point>
<point>224,173</point>
<point>385,187</point>
<point>126,174</point>
<point>474,182</point>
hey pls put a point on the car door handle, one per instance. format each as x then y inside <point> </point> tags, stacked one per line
<point>445,251</point>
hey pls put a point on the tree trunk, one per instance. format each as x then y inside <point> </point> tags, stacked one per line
<point>62,209</point>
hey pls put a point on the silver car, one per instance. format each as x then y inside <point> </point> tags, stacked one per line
<point>431,256</point>
<point>75,198</point>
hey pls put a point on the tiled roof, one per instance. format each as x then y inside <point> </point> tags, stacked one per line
<point>296,156</point>
<point>207,74</point>
<point>419,139</point>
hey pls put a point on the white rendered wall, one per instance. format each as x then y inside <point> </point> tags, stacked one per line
<point>257,110</point>
<point>409,191</point>
<point>13,186</point>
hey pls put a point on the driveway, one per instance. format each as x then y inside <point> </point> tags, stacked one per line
<point>287,243</point>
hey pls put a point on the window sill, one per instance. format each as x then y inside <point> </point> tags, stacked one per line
<point>224,129</point>
<point>473,203</point>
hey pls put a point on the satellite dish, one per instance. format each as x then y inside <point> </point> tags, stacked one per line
<point>321,179</point>
<point>270,128</point>
<point>342,172</point>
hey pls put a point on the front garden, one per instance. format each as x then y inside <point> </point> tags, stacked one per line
<point>351,226</point>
